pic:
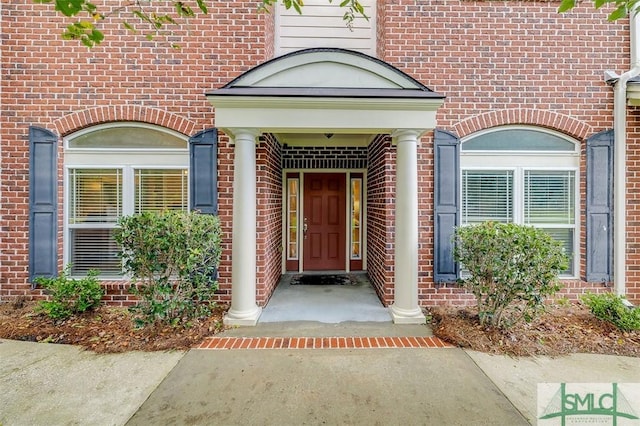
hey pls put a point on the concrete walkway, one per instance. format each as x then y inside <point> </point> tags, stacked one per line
<point>47,384</point>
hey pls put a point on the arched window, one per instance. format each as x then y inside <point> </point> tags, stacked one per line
<point>113,171</point>
<point>523,175</point>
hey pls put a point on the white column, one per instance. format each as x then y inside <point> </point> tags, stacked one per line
<point>244,310</point>
<point>405,308</point>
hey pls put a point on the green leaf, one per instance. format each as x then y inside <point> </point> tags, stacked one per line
<point>96,36</point>
<point>129,27</point>
<point>620,12</point>
<point>566,5</point>
<point>202,6</point>
<point>296,6</point>
<point>183,9</point>
<point>69,7</point>
<point>142,16</point>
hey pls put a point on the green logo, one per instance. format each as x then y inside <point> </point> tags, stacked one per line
<point>592,403</point>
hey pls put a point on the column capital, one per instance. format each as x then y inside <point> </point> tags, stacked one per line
<point>406,135</point>
<point>244,133</point>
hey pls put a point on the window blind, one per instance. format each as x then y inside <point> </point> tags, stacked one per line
<point>161,189</point>
<point>549,197</point>
<point>487,195</point>
<point>94,249</point>
<point>96,195</point>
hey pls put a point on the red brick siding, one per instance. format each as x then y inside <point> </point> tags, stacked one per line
<point>63,87</point>
<point>320,157</point>
<point>269,217</point>
<point>225,213</point>
<point>380,216</point>
<point>498,62</point>
<point>633,206</point>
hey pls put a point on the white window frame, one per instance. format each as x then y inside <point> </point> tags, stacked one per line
<point>126,159</point>
<point>519,162</point>
<point>360,217</point>
<point>287,218</point>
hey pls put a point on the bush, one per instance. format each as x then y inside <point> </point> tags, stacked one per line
<point>172,257</point>
<point>69,296</point>
<point>511,269</point>
<point>611,308</point>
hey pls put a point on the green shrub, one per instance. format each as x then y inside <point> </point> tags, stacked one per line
<point>69,296</point>
<point>511,269</point>
<point>611,308</point>
<point>172,257</point>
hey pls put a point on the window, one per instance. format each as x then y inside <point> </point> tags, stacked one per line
<point>114,176</point>
<point>292,218</point>
<point>356,218</point>
<point>526,176</point>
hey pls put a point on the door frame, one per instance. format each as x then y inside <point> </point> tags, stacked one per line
<point>300,214</point>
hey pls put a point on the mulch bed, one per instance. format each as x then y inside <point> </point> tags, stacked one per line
<point>561,330</point>
<point>106,330</point>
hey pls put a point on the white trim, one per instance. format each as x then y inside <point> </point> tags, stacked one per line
<point>121,124</point>
<point>518,200</point>
<point>362,68</point>
<point>302,172</point>
<point>324,115</point>
<point>360,217</point>
<point>286,218</point>
<point>325,140</point>
<point>88,160</point>
<point>532,128</point>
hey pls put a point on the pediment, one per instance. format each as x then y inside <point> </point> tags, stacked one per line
<point>326,68</point>
<point>325,90</point>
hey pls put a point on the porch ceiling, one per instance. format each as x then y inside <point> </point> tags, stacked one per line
<point>325,91</point>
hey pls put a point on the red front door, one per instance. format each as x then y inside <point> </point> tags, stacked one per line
<point>324,221</point>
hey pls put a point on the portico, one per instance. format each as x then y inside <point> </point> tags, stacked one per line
<point>319,92</point>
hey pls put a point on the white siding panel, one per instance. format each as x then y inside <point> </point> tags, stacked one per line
<point>321,25</point>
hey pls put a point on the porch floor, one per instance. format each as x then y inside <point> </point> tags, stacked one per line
<point>329,304</point>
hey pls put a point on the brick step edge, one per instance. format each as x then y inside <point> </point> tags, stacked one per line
<point>226,343</point>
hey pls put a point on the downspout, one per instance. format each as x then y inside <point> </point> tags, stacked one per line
<point>620,158</point>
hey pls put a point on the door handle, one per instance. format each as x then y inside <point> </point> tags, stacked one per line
<point>304,228</point>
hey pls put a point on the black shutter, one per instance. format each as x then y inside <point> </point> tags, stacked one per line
<point>599,206</point>
<point>446,214</point>
<point>43,203</point>
<point>203,149</point>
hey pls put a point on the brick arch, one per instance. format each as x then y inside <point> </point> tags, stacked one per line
<point>535,117</point>
<point>104,114</point>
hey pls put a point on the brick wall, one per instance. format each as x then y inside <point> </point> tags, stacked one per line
<point>62,86</point>
<point>225,213</point>
<point>633,206</point>
<point>337,157</point>
<point>380,216</point>
<point>498,62</point>
<point>269,220</point>
<point>510,63</point>
<point>508,55</point>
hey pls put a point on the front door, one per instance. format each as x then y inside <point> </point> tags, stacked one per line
<point>324,221</point>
